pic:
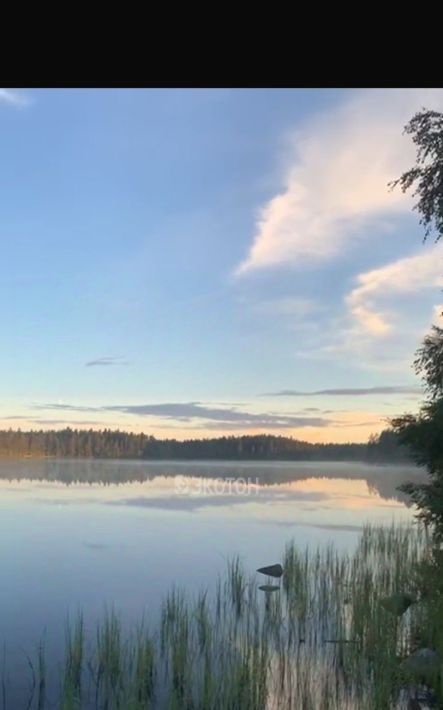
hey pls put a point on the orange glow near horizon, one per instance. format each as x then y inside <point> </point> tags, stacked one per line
<point>346,427</point>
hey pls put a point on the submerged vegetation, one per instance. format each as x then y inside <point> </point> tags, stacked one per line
<point>325,639</point>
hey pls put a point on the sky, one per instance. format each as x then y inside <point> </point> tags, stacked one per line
<point>196,263</point>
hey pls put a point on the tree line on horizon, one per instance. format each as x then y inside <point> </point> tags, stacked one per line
<point>116,444</point>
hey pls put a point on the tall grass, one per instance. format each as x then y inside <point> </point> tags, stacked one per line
<point>324,641</point>
<point>72,672</point>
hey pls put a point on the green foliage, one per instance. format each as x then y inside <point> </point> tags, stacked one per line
<point>429,362</point>
<point>426,176</point>
<point>423,434</point>
<point>429,627</point>
<point>73,669</point>
<point>386,447</point>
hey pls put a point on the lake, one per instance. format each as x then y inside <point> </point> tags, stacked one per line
<point>90,534</point>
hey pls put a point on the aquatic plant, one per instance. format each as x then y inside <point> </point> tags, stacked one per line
<point>322,640</point>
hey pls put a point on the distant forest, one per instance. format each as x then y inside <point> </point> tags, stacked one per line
<point>109,444</point>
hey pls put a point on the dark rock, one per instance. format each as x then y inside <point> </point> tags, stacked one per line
<point>272,570</point>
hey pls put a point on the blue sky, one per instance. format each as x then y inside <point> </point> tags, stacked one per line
<point>202,262</point>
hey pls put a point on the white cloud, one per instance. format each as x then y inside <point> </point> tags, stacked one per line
<point>408,275</point>
<point>387,314</point>
<point>12,98</point>
<point>339,168</point>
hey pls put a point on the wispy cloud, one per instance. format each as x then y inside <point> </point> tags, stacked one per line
<point>337,177</point>
<point>43,421</point>
<point>229,418</point>
<point>348,391</point>
<point>13,98</point>
<point>60,407</point>
<point>387,312</point>
<point>384,315</point>
<point>15,416</point>
<point>105,361</point>
<point>408,275</point>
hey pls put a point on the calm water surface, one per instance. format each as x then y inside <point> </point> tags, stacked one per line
<point>76,534</point>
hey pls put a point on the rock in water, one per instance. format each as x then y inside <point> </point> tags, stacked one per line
<point>269,588</point>
<point>272,570</point>
<point>397,603</point>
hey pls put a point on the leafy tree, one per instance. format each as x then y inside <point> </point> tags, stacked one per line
<point>426,176</point>
<point>429,362</point>
<point>423,433</point>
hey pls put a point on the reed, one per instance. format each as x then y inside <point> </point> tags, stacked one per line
<point>324,640</point>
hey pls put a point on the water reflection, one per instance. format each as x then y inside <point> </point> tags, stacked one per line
<point>382,480</point>
<point>331,497</point>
